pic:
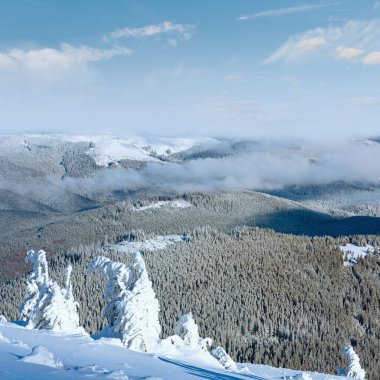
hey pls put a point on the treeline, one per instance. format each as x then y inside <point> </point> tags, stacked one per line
<point>266,297</point>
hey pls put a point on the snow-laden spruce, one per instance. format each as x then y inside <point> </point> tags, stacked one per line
<point>187,330</point>
<point>46,305</point>
<point>131,307</point>
<point>354,368</point>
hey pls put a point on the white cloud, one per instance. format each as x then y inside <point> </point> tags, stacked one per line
<point>296,47</point>
<point>50,61</point>
<point>310,44</point>
<point>356,35</point>
<point>372,58</point>
<point>376,5</point>
<point>347,53</point>
<point>182,30</point>
<point>285,11</point>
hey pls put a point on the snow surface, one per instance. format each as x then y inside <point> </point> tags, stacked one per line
<point>158,242</point>
<point>178,203</point>
<point>83,357</point>
<point>41,355</point>
<point>353,252</point>
<point>223,358</point>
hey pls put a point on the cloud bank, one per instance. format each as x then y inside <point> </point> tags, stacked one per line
<point>258,166</point>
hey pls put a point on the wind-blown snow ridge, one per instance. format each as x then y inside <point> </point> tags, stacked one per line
<point>82,357</point>
<point>178,203</point>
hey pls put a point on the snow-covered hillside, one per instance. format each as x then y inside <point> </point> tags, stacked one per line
<point>111,149</point>
<point>43,355</point>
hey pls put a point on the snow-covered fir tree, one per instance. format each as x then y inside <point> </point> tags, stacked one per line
<point>354,368</point>
<point>46,305</point>
<point>187,330</point>
<point>131,306</point>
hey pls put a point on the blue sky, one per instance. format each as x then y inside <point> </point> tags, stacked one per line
<point>204,67</point>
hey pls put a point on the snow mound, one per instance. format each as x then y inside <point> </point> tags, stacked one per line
<point>2,318</point>
<point>178,203</point>
<point>3,339</point>
<point>117,375</point>
<point>224,359</point>
<point>41,355</point>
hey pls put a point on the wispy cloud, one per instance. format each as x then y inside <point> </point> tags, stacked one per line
<point>372,58</point>
<point>376,5</point>
<point>285,11</point>
<point>347,53</point>
<point>48,61</point>
<point>183,31</point>
<point>297,47</point>
<point>346,42</point>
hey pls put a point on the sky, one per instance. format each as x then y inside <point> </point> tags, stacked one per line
<point>234,68</point>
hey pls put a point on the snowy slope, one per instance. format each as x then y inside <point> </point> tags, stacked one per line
<point>61,356</point>
<point>111,149</point>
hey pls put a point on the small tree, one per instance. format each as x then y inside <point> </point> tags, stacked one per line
<point>187,330</point>
<point>131,307</point>
<point>354,368</point>
<point>46,305</point>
